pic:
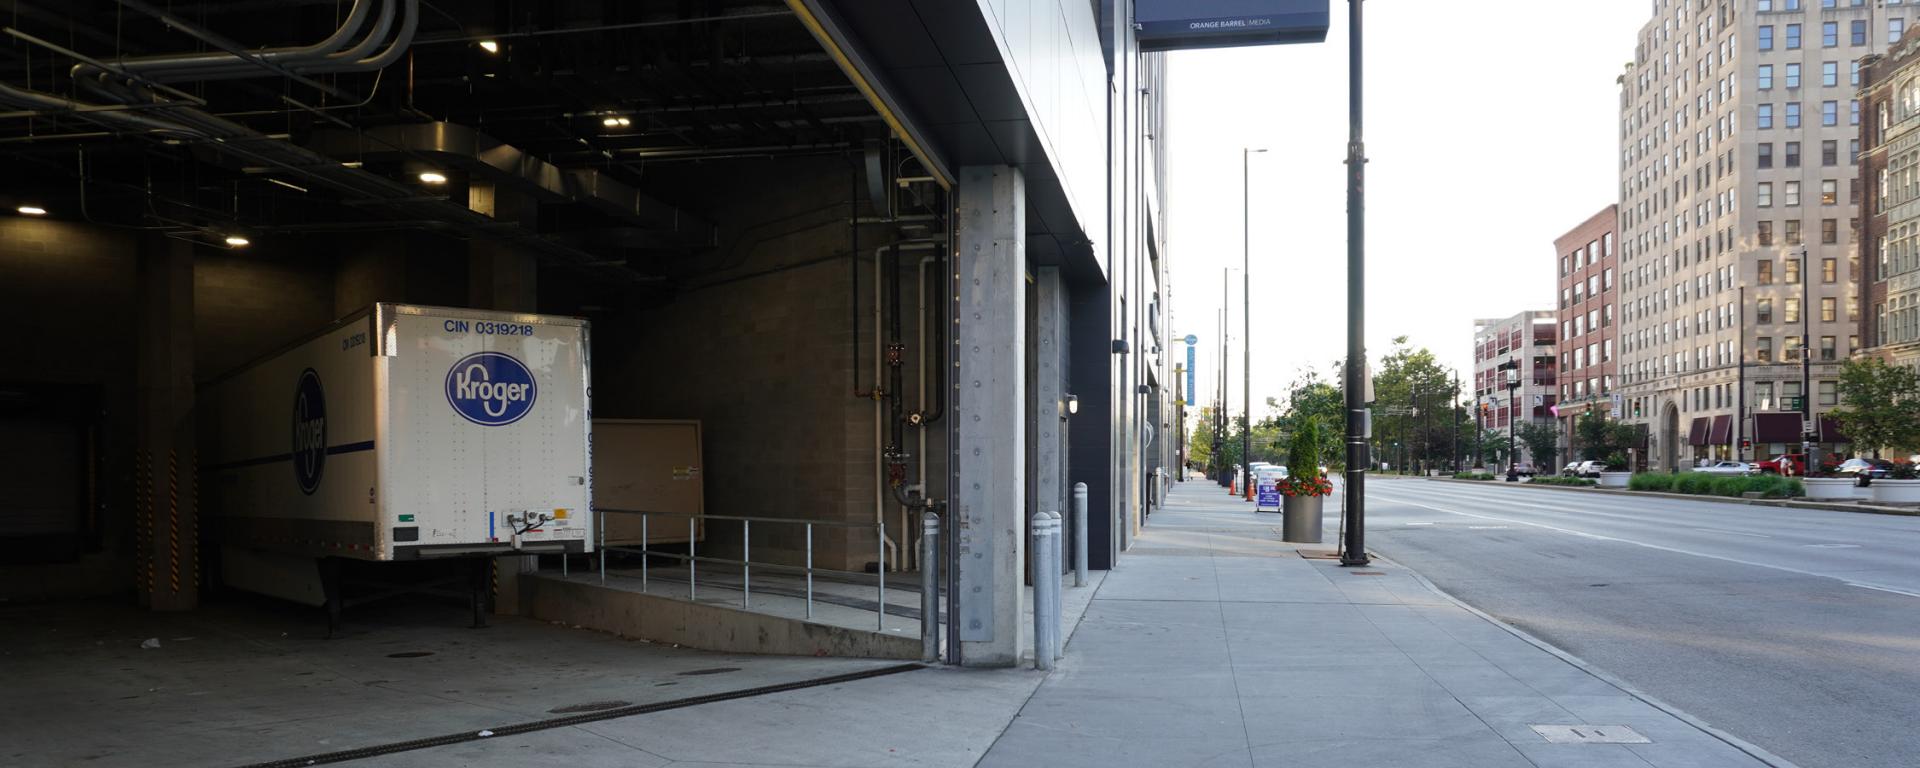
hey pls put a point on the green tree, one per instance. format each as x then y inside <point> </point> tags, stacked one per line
<point>1878,405</point>
<point>1413,405</point>
<point>1313,401</point>
<point>1200,442</point>
<point>1542,440</point>
<point>1603,440</point>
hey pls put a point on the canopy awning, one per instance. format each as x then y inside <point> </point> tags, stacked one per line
<point>1722,433</point>
<point>1776,427</point>
<point>1697,435</point>
<point>1830,431</point>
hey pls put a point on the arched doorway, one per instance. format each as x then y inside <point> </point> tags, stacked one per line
<point>1669,455</point>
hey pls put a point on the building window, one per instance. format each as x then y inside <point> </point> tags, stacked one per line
<point>1793,232</point>
<point>1766,37</point>
<point>1793,37</point>
<point>1853,309</point>
<point>1829,309</point>
<point>1764,196</point>
<point>1857,32</point>
<point>1763,311</point>
<point>1607,278</point>
<point>1765,77</point>
<point>1829,113</point>
<point>1766,233</point>
<point>1853,112</point>
<point>1793,271</point>
<point>1895,27</point>
<point>1792,313</point>
<point>1793,154</point>
<point>1793,75</point>
<point>1829,270</point>
<point>1828,395</point>
<point>1765,155</point>
<point>1764,115</point>
<point>1830,73</point>
<point>1763,395</point>
<point>1763,349</point>
<point>1829,192</point>
<point>1829,232</point>
<point>1830,34</point>
<point>1765,276</point>
<point>1790,350</point>
<point>1793,114</point>
<point>1830,153</point>
<point>1792,189</point>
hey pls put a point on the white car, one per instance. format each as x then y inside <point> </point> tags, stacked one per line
<point>1726,468</point>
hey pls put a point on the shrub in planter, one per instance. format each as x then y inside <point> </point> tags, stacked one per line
<point>1693,482</point>
<point>1581,482</point>
<point>1651,481</point>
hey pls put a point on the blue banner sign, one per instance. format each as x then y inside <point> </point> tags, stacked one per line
<point>1166,25</point>
<point>1191,340</point>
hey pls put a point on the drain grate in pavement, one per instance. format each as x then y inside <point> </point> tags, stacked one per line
<point>1318,554</point>
<point>591,706</point>
<point>713,671</point>
<point>1589,734</point>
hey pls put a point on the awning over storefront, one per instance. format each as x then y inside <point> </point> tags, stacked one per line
<point>1698,434</point>
<point>1722,433</point>
<point>1776,427</point>
<point>1830,431</point>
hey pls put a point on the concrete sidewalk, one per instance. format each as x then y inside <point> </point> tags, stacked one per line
<point>1214,644</point>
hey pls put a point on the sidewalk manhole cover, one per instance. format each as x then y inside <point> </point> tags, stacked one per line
<point>591,706</point>
<point>713,671</point>
<point>409,654</point>
<point>1589,734</point>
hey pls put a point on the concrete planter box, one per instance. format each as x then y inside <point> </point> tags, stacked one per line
<point>1615,479</point>
<point>1896,491</point>
<point>1829,487</point>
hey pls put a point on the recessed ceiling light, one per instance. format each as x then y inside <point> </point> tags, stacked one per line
<point>32,210</point>
<point>489,46</point>
<point>238,241</point>
<point>610,122</point>
<point>625,122</point>
<point>432,177</point>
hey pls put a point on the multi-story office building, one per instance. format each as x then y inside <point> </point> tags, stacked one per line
<point>1525,342</point>
<point>1890,171</point>
<point>1739,130</point>
<point>1589,326</point>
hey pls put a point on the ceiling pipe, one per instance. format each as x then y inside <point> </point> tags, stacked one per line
<point>238,63</point>
<point>356,18</point>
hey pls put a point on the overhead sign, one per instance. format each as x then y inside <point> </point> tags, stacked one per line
<point>1166,25</point>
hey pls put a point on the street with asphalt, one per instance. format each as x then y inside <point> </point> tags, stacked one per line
<point>1795,629</point>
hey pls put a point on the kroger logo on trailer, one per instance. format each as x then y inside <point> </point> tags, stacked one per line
<point>309,431</point>
<point>491,389</point>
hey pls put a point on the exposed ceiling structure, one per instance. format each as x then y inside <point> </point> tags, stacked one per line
<point>532,122</point>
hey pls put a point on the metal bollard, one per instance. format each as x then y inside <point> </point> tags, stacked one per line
<point>1053,587</point>
<point>929,587</point>
<point>1079,534</point>
<point>1043,622</point>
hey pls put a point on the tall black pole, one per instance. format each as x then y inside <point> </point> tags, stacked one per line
<point>1513,415</point>
<point>1454,428</point>
<point>1246,337</point>
<point>1807,427</point>
<point>1226,424</point>
<point>1353,552</point>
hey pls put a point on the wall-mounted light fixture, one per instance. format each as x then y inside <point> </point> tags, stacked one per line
<point>489,46</point>
<point>1073,404</point>
<point>432,177</point>
<point>32,210</point>
<point>237,241</point>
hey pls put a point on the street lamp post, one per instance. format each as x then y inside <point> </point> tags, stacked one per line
<point>1353,550</point>
<point>1513,414</point>
<point>1454,428</point>
<point>1807,426</point>
<point>1246,317</point>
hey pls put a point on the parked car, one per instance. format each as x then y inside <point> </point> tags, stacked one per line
<point>1873,468</point>
<point>1726,468</point>
<point>1524,469</point>
<point>1589,469</point>
<point>1572,469</point>
<point>1794,464</point>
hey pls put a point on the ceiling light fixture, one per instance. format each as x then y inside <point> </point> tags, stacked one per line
<point>610,122</point>
<point>32,210</point>
<point>624,122</point>
<point>433,177</point>
<point>489,46</point>
<point>238,241</point>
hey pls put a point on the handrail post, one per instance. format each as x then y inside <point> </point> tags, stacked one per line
<point>929,586</point>
<point>1079,534</point>
<point>880,547</point>
<point>746,558</point>
<point>809,571</point>
<point>600,541</point>
<point>643,552</point>
<point>693,559</point>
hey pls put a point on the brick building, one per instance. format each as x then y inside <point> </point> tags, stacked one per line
<point>1589,331</point>
<point>1889,166</point>
<point>1526,340</point>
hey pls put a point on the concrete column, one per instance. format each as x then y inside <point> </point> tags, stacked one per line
<point>167,557</point>
<point>1050,334</point>
<point>989,383</point>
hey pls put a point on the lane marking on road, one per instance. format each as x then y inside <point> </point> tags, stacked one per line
<point>1592,505</point>
<point>1586,508</point>
<point>1734,533</point>
<point>1486,527</point>
<point>1421,522</point>
<point>1658,547</point>
<point>1832,546</point>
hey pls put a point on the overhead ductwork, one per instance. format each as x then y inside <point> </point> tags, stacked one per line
<point>459,146</point>
<point>332,55</point>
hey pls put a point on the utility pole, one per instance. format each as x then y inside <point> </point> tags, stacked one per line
<point>1353,551</point>
<point>1513,413</point>
<point>1226,317</point>
<point>1246,317</point>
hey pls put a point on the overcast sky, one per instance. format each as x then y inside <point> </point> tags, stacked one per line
<point>1491,129</point>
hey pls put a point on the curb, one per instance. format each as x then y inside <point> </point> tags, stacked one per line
<point>1783,503</point>
<point>1752,750</point>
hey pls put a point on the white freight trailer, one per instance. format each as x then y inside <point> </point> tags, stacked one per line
<point>401,433</point>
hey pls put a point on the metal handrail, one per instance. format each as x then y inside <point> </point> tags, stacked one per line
<point>693,557</point>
